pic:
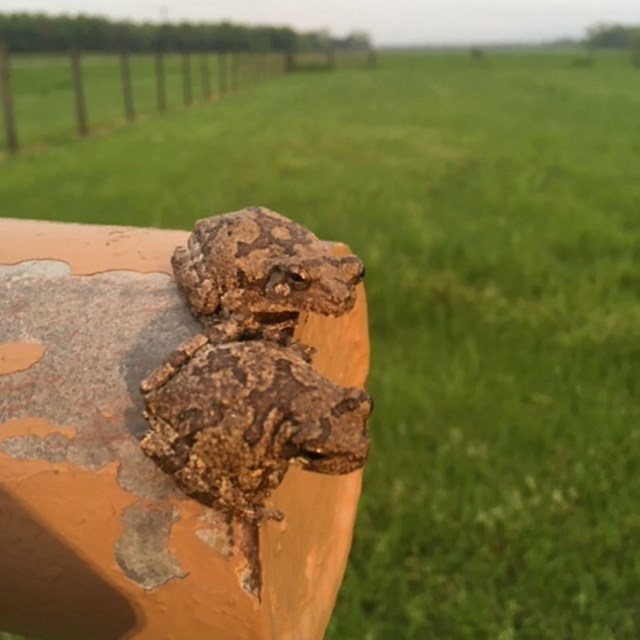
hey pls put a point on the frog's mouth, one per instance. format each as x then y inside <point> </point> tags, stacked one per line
<point>276,317</point>
<point>332,464</point>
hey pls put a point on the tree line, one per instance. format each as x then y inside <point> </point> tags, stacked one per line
<point>611,36</point>
<point>615,36</point>
<point>28,32</point>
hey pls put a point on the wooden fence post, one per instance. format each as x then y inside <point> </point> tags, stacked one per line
<point>78,90</point>
<point>235,71</point>
<point>331,58</point>
<point>264,65</point>
<point>11,134</point>
<point>127,93</point>
<point>288,62</point>
<point>206,76</point>
<point>222,72</point>
<point>250,62</point>
<point>254,67</point>
<point>161,91</point>
<point>186,78</point>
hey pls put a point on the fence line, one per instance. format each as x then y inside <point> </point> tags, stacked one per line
<point>234,69</point>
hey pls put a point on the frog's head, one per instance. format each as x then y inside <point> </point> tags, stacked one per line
<point>260,262</point>
<point>322,283</point>
<point>337,442</point>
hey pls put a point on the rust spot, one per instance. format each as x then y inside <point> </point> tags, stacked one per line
<point>19,356</point>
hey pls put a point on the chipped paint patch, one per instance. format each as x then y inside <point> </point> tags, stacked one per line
<point>102,335</point>
<point>25,269</point>
<point>142,551</point>
<point>19,356</point>
<point>54,448</point>
<point>143,480</point>
<point>215,532</point>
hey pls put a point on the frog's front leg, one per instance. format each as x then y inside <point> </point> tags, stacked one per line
<point>215,334</point>
<point>195,283</point>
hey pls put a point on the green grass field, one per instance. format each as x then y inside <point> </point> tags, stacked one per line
<point>496,205</point>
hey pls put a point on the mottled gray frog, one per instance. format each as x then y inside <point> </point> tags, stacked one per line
<point>257,270</point>
<point>227,422</point>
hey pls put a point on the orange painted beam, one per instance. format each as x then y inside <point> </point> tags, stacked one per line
<point>95,542</point>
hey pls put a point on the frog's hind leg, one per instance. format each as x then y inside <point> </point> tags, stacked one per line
<point>162,444</point>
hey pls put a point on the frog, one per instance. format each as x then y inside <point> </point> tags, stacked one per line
<point>229,419</point>
<point>256,270</point>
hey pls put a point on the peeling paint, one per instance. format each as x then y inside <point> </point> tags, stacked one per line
<point>12,274</point>
<point>19,356</point>
<point>111,330</point>
<point>215,532</point>
<point>102,335</point>
<point>143,480</point>
<point>142,552</point>
<point>52,448</point>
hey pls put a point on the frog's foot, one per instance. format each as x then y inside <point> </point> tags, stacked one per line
<point>255,514</point>
<point>224,331</point>
<point>271,514</point>
<point>303,351</point>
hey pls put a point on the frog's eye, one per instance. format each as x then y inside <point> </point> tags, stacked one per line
<point>312,455</point>
<point>298,279</point>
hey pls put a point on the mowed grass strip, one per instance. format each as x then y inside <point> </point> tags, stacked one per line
<point>496,206</point>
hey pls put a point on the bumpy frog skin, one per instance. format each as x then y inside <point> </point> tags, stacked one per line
<point>227,421</point>
<point>259,270</point>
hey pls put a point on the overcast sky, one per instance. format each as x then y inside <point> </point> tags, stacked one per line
<point>387,21</point>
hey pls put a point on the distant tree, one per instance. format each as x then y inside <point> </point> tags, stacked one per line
<point>609,36</point>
